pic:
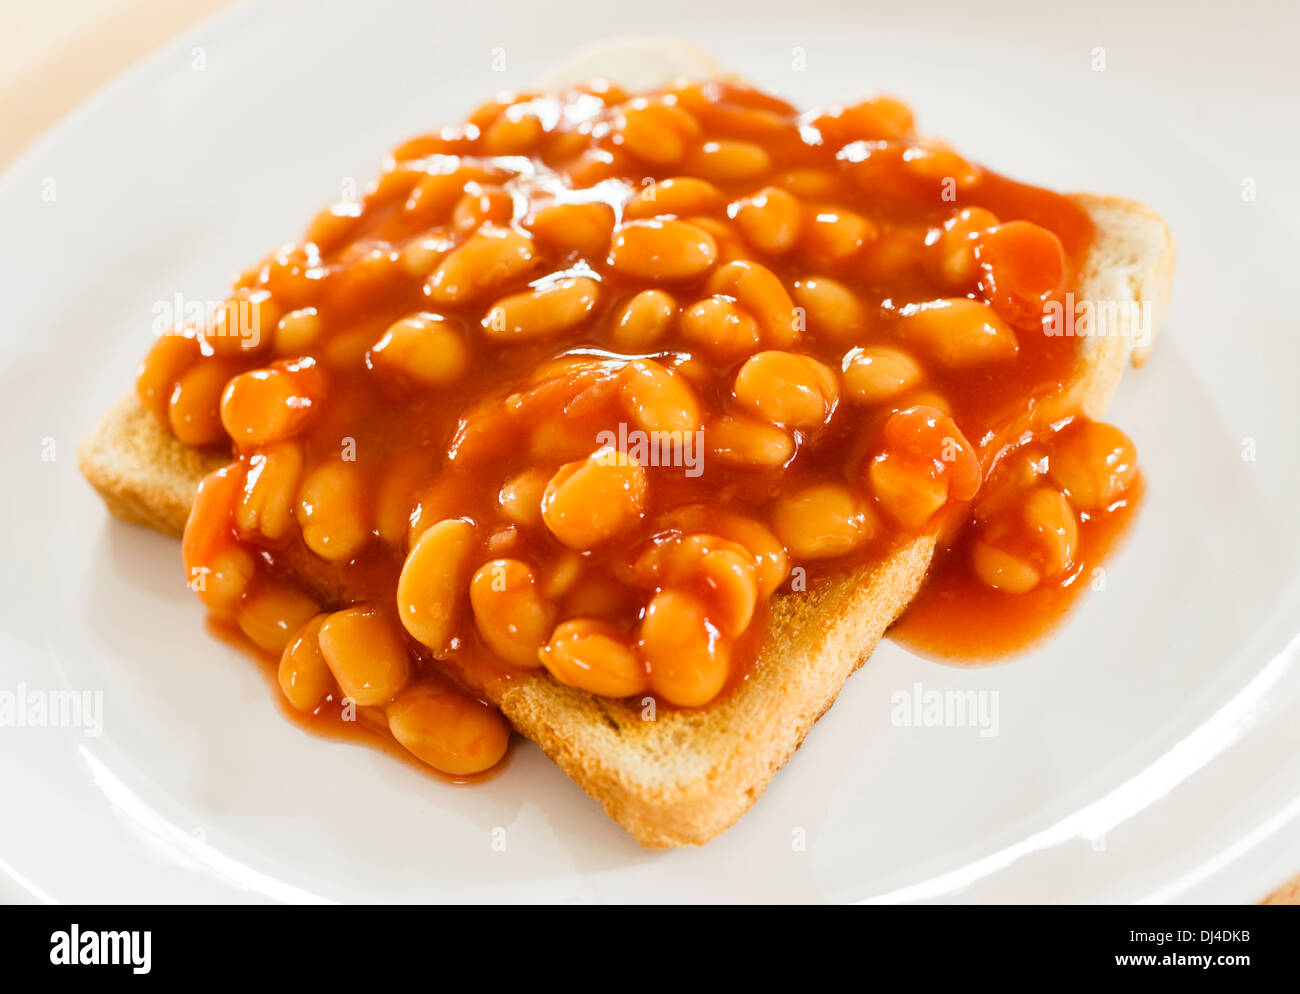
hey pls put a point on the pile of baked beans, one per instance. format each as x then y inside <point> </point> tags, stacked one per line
<point>583,382</point>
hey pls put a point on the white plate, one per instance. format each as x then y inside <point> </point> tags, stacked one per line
<point>1150,752</point>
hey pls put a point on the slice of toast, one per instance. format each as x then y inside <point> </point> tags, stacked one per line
<point>682,776</point>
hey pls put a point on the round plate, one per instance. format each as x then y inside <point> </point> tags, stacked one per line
<point>1150,751</point>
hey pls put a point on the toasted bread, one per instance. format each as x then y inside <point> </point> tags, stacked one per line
<point>680,777</point>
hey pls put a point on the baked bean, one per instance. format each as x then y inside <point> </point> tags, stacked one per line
<point>194,412</point>
<point>583,228</point>
<point>334,225</point>
<point>787,388</point>
<point>544,311</point>
<point>718,571</point>
<point>735,118</point>
<point>432,199</point>
<point>332,511</point>
<point>644,321</point>
<point>244,324</point>
<point>364,650</point>
<point>595,656</point>
<point>598,594</point>
<point>695,371</point>
<point>1022,265</point>
<point>395,184</point>
<point>596,165</point>
<point>655,131</point>
<point>515,132</point>
<point>270,613</point>
<point>866,121</point>
<point>269,404</point>
<point>834,311</point>
<point>958,332</point>
<point>421,255</point>
<point>812,184</point>
<point>480,204</point>
<point>822,520</point>
<point>950,250</point>
<point>565,439</point>
<point>1030,542</point>
<point>717,325</point>
<point>447,729</point>
<point>563,574</point>
<point>1054,527</point>
<point>303,674</point>
<point>686,655</point>
<point>730,245</point>
<point>265,510</point>
<point>589,501</point>
<point>218,569</point>
<point>424,349</point>
<point>896,255</point>
<point>771,219</point>
<point>894,109</point>
<point>875,375</point>
<point>452,140</point>
<point>503,541</point>
<point>485,113</point>
<point>347,351</point>
<point>773,564</point>
<point>909,173</point>
<point>1093,463</point>
<point>510,612</point>
<point>490,259</point>
<point>681,196</point>
<point>1015,473</point>
<point>1003,570</point>
<point>662,250</point>
<point>908,491</point>
<point>363,282</point>
<point>397,495</point>
<point>657,400</point>
<point>298,332</point>
<point>168,360</point>
<point>924,462</point>
<point>433,577</point>
<point>728,161</point>
<point>744,441</point>
<point>938,168</point>
<point>294,274</point>
<point>831,235</point>
<point>520,497</point>
<point>221,576</point>
<point>759,291</point>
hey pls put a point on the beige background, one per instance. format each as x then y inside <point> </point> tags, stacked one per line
<point>55,54</point>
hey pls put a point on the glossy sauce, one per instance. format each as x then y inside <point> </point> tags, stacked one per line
<point>360,726</point>
<point>957,619</point>
<point>427,454</point>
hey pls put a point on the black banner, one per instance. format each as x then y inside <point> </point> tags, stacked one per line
<point>143,945</point>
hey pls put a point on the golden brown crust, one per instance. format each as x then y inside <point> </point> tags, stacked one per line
<point>143,473</point>
<point>680,777</point>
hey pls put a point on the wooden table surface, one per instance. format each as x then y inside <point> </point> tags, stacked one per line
<point>54,55</point>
